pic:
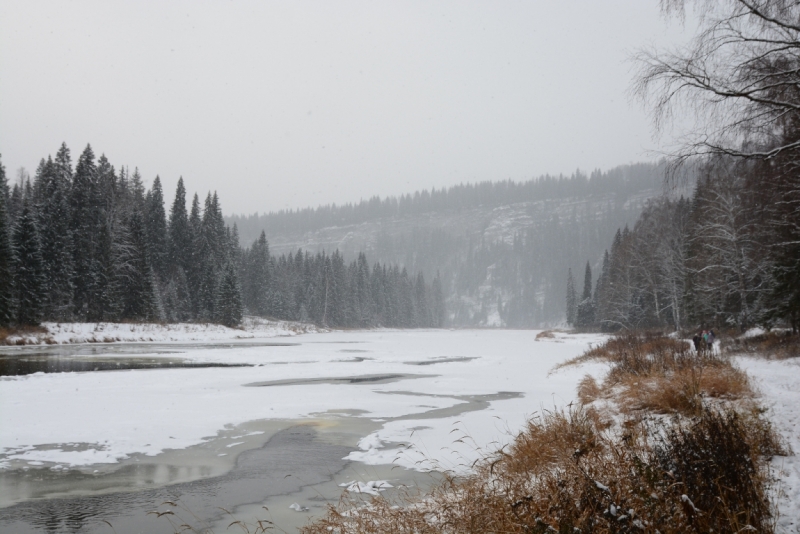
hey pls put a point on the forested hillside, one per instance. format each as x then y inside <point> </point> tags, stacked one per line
<point>501,249</point>
<point>730,255</point>
<point>93,244</point>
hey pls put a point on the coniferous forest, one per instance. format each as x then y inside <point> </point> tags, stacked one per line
<point>92,243</point>
<point>728,256</point>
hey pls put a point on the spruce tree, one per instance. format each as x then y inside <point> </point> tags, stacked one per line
<point>197,261</point>
<point>180,236</point>
<point>14,206</point>
<point>177,303</point>
<point>572,299</point>
<point>28,270</point>
<point>83,225</point>
<point>6,257</point>
<point>140,290</point>
<point>423,319</point>
<point>56,240</point>
<point>438,307</point>
<point>63,168</point>
<point>156,224</point>
<point>258,280</point>
<point>4,191</point>
<point>107,297</point>
<point>585,314</point>
<point>228,306</point>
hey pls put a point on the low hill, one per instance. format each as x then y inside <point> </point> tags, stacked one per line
<point>503,249</point>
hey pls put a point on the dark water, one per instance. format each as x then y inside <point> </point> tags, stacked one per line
<point>111,357</point>
<point>290,460</point>
<point>26,365</point>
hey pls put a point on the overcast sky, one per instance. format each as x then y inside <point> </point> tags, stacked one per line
<point>290,104</point>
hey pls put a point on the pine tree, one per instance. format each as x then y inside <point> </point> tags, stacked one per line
<point>6,256</point>
<point>28,271</point>
<point>572,298</point>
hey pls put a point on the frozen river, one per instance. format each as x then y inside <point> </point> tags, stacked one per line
<point>242,425</point>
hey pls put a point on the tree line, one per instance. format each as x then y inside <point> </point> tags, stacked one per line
<point>93,244</point>
<point>621,180</point>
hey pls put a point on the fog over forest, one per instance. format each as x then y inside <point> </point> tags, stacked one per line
<point>502,249</point>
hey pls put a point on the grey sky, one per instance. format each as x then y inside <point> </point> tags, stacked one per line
<point>288,104</point>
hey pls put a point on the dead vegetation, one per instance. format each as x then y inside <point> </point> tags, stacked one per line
<point>776,345</point>
<point>701,469</point>
<point>545,334</point>
<point>662,375</point>
<point>19,334</point>
<point>566,473</point>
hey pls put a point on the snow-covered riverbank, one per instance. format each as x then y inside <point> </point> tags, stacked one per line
<point>251,328</point>
<point>778,382</point>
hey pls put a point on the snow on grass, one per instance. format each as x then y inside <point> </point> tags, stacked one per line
<point>116,414</point>
<point>251,328</point>
<point>778,381</point>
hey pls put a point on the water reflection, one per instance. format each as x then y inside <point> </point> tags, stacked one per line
<point>26,365</point>
<point>16,361</point>
<point>291,459</point>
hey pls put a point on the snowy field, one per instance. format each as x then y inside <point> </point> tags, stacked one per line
<point>431,381</point>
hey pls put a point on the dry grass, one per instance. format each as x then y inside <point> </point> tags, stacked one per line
<point>661,375</point>
<point>23,330</point>
<point>545,334</point>
<point>772,345</point>
<point>566,474</point>
<point>702,470</point>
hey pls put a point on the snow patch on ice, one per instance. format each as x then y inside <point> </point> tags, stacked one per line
<point>372,487</point>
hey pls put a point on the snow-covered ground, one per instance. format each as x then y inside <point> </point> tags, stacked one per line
<point>778,381</point>
<point>252,328</point>
<point>433,380</point>
<point>436,398</point>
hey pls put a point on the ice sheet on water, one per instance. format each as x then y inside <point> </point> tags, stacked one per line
<point>147,412</point>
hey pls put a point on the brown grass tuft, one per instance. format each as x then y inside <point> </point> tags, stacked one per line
<point>21,330</point>
<point>545,334</point>
<point>662,375</point>
<point>588,390</point>
<point>772,345</point>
